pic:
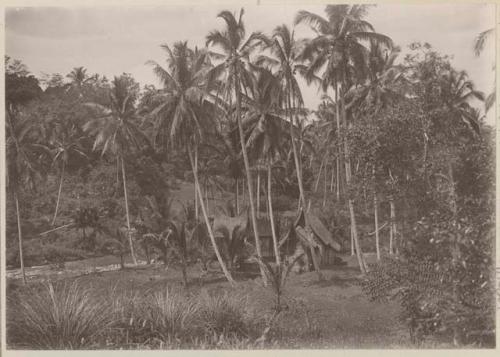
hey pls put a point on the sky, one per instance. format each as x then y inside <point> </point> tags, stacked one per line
<point>113,40</point>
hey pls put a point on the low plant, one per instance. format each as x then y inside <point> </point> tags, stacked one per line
<point>162,316</point>
<point>277,275</point>
<point>222,314</point>
<point>57,316</point>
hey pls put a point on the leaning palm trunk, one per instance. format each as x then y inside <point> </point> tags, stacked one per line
<point>207,221</point>
<point>271,214</point>
<point>248,173</point>
<point>347,162</point>
<point>129,233</point>
<point>20,235</point>
<point>59,193</point>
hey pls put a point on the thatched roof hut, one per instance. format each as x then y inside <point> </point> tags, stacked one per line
<point>306,231</point>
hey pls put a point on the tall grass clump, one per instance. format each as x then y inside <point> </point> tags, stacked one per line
<point>223,314</point>
<point>156,318</point>
<point>57,316</point>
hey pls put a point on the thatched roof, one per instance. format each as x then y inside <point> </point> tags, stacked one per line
<point>321,231</point>
<point>315,224</point>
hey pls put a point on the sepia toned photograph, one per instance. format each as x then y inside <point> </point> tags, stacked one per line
<point>249,176</point>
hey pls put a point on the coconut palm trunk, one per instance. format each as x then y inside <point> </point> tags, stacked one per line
<point>207,221</point>
<point>337,172</point>
<point>59,192</point>
<point>243,196</point>
<point>129,233</point>
<point>236,194</point>
<point>339,147</point>
<point>377,239</point>
<point>319,175</point>
<point>258,192</point>
<point>206,198</point>
<point>393,237</point>
<point>455,253</point>
<point>271,214</point>
<point>325,186</point>
<point>20,235</point>
<point>333,178</point>
<point>196,213</point>
<point>248,173</point>
<point>294,148</point>
<point>353,251</point>
<point>347,161</point>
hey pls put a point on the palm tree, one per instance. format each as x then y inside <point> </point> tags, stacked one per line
<point>26,159</point>
<point>285,60</point>
<point>382,84</point>
<point>66,144</point>
<point>456,92</point>
<point>26,154</point>
<point>182,118</point>
<point>264,126</point>
<point>236,51</point>
<point>338,48</point>
<point>115,129</point>
<point>478,49</point>
<point>481,40</point>
<point>78,76</point>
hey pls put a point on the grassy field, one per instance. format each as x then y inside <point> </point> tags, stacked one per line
<point>332,313</point>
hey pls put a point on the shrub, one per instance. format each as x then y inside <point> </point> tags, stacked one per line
<point>164,316</point>
<point>57,316</point>
<point>222,314</point>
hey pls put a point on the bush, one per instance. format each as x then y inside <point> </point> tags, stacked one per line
<point>222,315</point>
<point>162,316</point>
<point>60,316</point>
<point>174,320</point>
<point>68,316</point>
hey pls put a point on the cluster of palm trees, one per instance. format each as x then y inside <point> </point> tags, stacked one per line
<point>244,90</point>
<point>249,83</point>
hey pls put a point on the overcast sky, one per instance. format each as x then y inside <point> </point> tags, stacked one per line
<point>111,41</point>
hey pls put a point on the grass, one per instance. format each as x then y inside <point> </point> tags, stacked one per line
<point>71,316</point>
<point>150,309</point>
<point>60,316</point>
